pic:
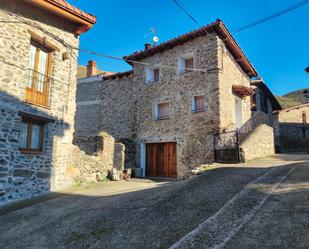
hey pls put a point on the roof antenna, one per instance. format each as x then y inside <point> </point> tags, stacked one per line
<point>155,38</point>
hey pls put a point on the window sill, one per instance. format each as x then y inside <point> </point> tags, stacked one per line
<point>198,111</point>
<point>150,82</point>
<point>29,151</point>
<point>185,72</point>
<point>36,104</point>
<point>161,118</point>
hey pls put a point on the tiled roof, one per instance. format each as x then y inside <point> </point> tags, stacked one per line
<point>120,75</point>
<point>218,27</point>
<point>76,11</point>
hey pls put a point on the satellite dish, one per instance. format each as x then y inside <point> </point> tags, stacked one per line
<point>155,39</point>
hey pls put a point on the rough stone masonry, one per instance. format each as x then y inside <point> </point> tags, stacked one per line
<point>124,105</point>
<point>61,163</point>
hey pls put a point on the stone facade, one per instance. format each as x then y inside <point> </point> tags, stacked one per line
<point>108,106</point>
<point>258,143</point>
<point>24,175</point>
<point>126,107</point>
<point>292,130</point>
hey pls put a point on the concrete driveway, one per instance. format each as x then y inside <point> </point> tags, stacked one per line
<point>262,205</point>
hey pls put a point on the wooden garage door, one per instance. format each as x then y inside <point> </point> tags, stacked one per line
<point>161,159</point>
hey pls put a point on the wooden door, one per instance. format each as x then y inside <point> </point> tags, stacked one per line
<point>161,159</point>
<point>172,159</point>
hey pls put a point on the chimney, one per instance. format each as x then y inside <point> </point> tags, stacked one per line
<point>147,46</point>
<point>91,68</point>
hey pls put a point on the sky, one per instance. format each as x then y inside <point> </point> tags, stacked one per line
<point>278,49</point>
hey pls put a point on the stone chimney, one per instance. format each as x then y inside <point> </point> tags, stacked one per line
<point>91,68</point>
<point>147,46</point>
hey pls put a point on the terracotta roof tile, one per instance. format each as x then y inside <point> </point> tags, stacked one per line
<point>218,27</point>
<point>71,8</point>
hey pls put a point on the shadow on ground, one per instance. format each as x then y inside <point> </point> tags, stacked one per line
<point>149,218</point>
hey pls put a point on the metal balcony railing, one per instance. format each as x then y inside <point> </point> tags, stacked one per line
<point>38,88</point>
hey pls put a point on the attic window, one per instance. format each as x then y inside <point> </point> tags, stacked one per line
<point>162,111</point>
<point>198,104</point>
<point>152,74</point>
<point>185,64</point>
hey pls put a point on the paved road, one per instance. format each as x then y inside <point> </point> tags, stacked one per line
<point>159,216</point>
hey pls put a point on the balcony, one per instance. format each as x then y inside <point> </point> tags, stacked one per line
<point>38,89</point>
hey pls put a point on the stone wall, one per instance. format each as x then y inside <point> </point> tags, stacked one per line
<point>258,143</point>
<point>26,175</point>
<point>291,133</point>
<point>93,157</point>
<point>230,74</point>
<point>108,105</point>
<point>191,131</point>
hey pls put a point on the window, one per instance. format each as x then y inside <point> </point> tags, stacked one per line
<point>31,136</point>
<point>185,64</point>
<point>37,91</point>
<point>263,102</point>
<point>198,104</point>
<point>156,74</point>
<point>152,74</point>
<point>163,111</point>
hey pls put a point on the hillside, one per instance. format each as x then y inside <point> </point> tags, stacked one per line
<point>294,98</point>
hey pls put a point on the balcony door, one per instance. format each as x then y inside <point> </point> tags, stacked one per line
<point>37,91</point>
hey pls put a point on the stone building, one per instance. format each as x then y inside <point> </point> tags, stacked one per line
<point>167,115</point>
<point>291,129</point>
<point>37,100</point>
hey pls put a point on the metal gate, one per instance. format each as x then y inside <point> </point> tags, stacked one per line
<point>226,147</point>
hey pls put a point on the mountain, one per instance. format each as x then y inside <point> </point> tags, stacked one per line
<point>294,98</point>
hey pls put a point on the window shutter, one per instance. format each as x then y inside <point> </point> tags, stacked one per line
<point>189,63</point>
<point>163,110</point>
<point>156,74</point>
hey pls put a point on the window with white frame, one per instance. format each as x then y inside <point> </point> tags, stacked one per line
<point>152,74</point>
<point>185,64</point>
<point>162,111</point>
<point>198,103</point>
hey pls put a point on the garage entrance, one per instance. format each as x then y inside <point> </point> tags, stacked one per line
<point>161,159</point>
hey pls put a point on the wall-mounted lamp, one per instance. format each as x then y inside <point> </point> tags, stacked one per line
<point>65,56</point>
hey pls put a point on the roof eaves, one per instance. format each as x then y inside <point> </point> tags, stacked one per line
<point>218,27</point>
<point>260,83</point>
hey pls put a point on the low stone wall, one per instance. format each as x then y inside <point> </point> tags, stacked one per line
<point>292,129</point>
<point>258,143</point>
<point>92,157</point>
<point>292,138</point>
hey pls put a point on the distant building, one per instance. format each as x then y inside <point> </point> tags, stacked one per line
<point>292,129</point>
<point>90,70</point>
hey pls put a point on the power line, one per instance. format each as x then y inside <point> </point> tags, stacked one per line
<point>133,61</point>
<point>185,11</point>
<point>72,48</point>
<point>274,15</point>
<point>189,15</point>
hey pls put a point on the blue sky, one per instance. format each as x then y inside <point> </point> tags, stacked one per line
<point>279,49</point>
